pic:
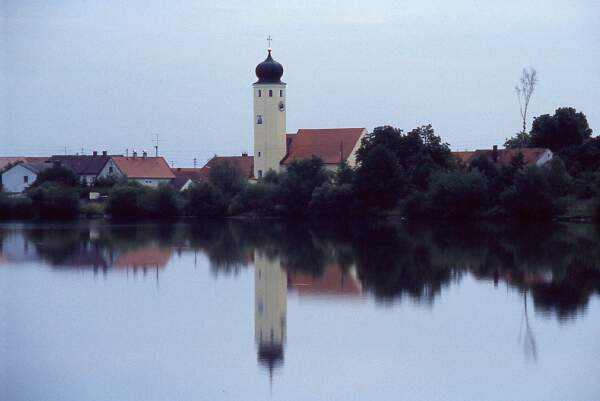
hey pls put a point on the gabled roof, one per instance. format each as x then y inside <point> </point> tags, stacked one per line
<point>35,166</point>
<point>183,175</point>
<point>333,282</point>
<point>504,156</point>
<point>5,161</point>
<point>149,256</point>
<point>246,163</point>
<point>144,167</point>
<point>82,165</point>
<point>331,145</point>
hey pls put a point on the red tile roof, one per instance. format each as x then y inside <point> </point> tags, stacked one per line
<point>331,145</point>
<point>182,175</point>
<point>530,155</point>
<point>140,167</point>
<point>332,282</point>
<point>149,256</point>
<point>246,163</point>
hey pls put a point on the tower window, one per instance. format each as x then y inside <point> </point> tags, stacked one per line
<point>258,154</point>
<point>281,93</point>
<point>259,93</point>
<point>259,173</point>
<point>270,93</point>
<point>259,119</point>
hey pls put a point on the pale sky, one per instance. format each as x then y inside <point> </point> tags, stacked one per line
<point>109,75</point>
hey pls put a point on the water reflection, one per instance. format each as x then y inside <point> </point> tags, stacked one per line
<point>556,267</point>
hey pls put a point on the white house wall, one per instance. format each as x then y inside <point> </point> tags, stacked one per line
<point>545,157</point>
<point>13,179</point>
<point>110,169</point>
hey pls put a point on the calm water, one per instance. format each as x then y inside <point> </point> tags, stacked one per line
<point>243,311</point>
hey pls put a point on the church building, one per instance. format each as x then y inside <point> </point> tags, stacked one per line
<point>274,148</point>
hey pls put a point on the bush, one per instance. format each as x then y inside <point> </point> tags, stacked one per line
<point>57,174</point>
<point>458,194</point>
<point>259,198</point>
<point>204,199</point>
<point>332,200</point>
<point>125,201</point>
<point>5,206</point>
<point>416,205</point>
<point>530,197</point>
<point>52,200</point>
<point>228,178</point>
<point>164,202</point>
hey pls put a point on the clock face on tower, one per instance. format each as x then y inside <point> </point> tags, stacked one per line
<point>281,106</point>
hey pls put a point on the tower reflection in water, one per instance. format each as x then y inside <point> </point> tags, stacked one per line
<point>270,310</point>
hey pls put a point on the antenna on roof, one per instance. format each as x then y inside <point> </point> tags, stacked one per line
<point>195,162</point>
<point>156,146</point>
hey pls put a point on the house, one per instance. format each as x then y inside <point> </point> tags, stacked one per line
<point>18,177</point>
<point>150,171</point>
<point>184,177</point>
<point>86,167</point>
<point>274,149</point>
<point>244,162</point>
<point>503,157</point>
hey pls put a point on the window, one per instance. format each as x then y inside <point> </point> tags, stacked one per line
<point>270,93</point>
<point>259,173</point>
<point>281,93</point>
<point>110,170</point>
<point>259,93</point>
<point>258,154</point>
<point>25,179</point>
<point>259,119</point>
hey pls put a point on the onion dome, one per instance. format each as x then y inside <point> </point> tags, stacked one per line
<point>269,71</point>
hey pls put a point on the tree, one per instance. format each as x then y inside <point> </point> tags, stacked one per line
<point>57,174</point>
<point>565,128</point>
<point>458,194</point>
<point>204,199</point>
<point>125,201</point>
<point>298,183</point>
<point>520,140</point>
<point>52,200</point>
<point>379,179</point>
<point>228,177</point>
<point>524,91</point>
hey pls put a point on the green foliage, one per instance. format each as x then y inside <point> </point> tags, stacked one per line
<point>228,178</point>
<point>298,183</point>
<point>105,182</point>
<point>165,203</point>
<point>332,200</point>
<point>458,194</point>
<point>204,200</point>
<point>530,197</point>
<point>379,179</point>
<point>582,158</point>
<point>125,201</point>
<point>565,128</point>
<point>271,177</point>
<point>259,198</point>
<point>51,200</point>
<point>344,174</point>
<point>559,181</point>
<point>520,140</point>
<point>57,174</point>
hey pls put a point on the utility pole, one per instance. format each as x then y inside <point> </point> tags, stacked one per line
<point>195,163</point>
<point>127,152</point>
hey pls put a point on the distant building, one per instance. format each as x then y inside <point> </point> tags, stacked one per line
<point>18,177</point>
<point>150,171</point>
<point>184,177</point>
<point>87,168</point>
<point>503,157</point>
<point>244,162</point>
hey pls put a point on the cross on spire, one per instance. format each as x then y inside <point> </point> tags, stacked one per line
<point>269,39</point>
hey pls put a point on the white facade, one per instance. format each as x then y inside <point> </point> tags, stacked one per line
<point>270,301</point>
<point>269,127</point>
<point>110,169</point>
<point>152,182</point>
<point>544,158</point>
<point>17,179</point>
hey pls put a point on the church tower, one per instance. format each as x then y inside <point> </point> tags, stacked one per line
<point>269,117</point>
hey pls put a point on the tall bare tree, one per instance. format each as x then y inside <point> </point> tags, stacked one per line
<point>524,91</point>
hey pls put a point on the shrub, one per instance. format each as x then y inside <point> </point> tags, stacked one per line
<point>204,199</point>
<point>530,197</point>
<point>298,183</point>
<point>164,202</point>
<point>52,200</point>
<point>259,198</point>
<point>458,194</point>
<point>228,178</point>
<point>57,174</point>
<point>125,201</point>
<point>332,200</point>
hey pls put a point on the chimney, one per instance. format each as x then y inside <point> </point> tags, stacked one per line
<point>134,154</point>
<point>104,153</point>
<point>244,154</point>
<point>144,154</point>
<point>495,154</point>
<point>95,153</point>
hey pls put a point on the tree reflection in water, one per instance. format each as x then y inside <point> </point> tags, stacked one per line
<point>557,266</point>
